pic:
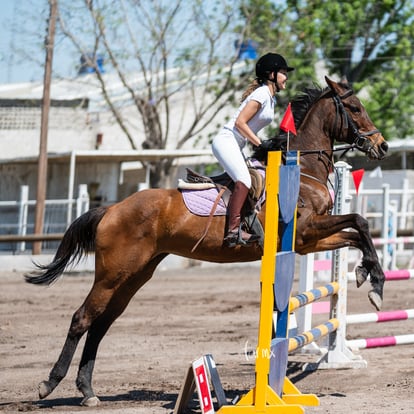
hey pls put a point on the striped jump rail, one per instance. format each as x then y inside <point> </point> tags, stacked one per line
<point>397,315</point>
<point>380,341</point>
<point>314,334</point>
<point>313,295</point>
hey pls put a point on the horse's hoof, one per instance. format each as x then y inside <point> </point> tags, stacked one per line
<point>375,299</point>
<point>90,401</point>
<point>360,276</point>
<point>44,389</point>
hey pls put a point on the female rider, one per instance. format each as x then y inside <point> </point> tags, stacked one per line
<point>255,112</point>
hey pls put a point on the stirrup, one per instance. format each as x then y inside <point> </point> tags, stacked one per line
<point>234,238</point>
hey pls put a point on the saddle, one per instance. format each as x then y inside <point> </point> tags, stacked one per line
<point>224,186</point>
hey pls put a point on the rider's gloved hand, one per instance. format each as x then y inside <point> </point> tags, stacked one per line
<point>266,145</point>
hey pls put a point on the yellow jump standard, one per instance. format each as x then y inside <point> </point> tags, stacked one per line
<point>263,398</point>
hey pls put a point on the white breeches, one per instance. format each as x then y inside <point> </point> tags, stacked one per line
<point>227,148</point>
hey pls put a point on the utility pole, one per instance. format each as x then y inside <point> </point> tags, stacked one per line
<point>44,125</point>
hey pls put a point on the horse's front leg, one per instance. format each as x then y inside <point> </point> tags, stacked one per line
<point>325,232</point>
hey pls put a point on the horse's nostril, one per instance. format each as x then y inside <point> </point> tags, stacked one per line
<point>384,146</point>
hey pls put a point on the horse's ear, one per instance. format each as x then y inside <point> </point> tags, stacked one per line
<point>344,80</point>
<point>333,86</point>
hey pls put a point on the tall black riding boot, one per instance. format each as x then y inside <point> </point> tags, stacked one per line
<point>235,235</point>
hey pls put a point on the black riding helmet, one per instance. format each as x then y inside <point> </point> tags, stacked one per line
<point>271,62</point>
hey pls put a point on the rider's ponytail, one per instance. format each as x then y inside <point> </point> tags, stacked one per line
<point>253,86</point>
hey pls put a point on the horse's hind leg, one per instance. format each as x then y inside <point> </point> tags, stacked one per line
<point>61,367</point>
<point>96,332</point>
<point>79,325</point>
<point>101,305</point>
<point>120,298</point>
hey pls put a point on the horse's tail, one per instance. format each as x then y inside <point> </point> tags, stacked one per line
<point>78,240</point>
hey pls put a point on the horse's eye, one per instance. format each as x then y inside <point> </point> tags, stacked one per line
<point>355,109</point>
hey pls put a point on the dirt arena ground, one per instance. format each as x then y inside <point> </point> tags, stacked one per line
<point>177,317</point>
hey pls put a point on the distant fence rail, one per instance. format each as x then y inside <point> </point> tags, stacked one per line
<point>390,213</point>
<point>17,219</point>
<point>10,238</point>
<point>373,203</point>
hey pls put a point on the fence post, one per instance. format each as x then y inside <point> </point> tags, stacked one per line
<point>82,202</point>
<point>402,224</point>
<point>386,259</point>
<point>71,183</point>
<point>392,234</point>
<point>23,212</point>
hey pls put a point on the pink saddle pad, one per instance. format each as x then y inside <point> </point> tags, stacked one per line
<point>200,202</point>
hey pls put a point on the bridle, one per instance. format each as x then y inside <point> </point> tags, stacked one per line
<point>343,121</point>
<point>360,140</point>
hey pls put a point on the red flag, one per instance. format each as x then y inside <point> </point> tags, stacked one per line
<point>288,123</point>
<point>357,176</point>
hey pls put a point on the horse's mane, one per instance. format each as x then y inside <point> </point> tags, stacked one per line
<point>303,101</point>
<point>300,105</point>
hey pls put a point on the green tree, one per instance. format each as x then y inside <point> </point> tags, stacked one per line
<point>367,41</point>
<point>271,25</point>
<point>370,43</point>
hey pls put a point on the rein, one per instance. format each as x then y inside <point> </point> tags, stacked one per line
<point>344,148</point>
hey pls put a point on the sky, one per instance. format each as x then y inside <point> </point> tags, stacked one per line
<point>17,19</point>
<point>22,57</point>
<point>10,69</point>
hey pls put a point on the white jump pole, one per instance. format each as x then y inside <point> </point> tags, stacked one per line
<point>381,341</point>
<point>386,316</point>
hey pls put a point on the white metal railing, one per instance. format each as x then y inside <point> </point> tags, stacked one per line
<point>15,217</point>
<point>402,200</point>
<point>394,213</point>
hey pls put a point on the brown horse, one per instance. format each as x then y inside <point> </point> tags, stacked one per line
<point>131,237</point>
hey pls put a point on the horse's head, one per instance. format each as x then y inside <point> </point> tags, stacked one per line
<point>338,116</point>
<point>352,123</point>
